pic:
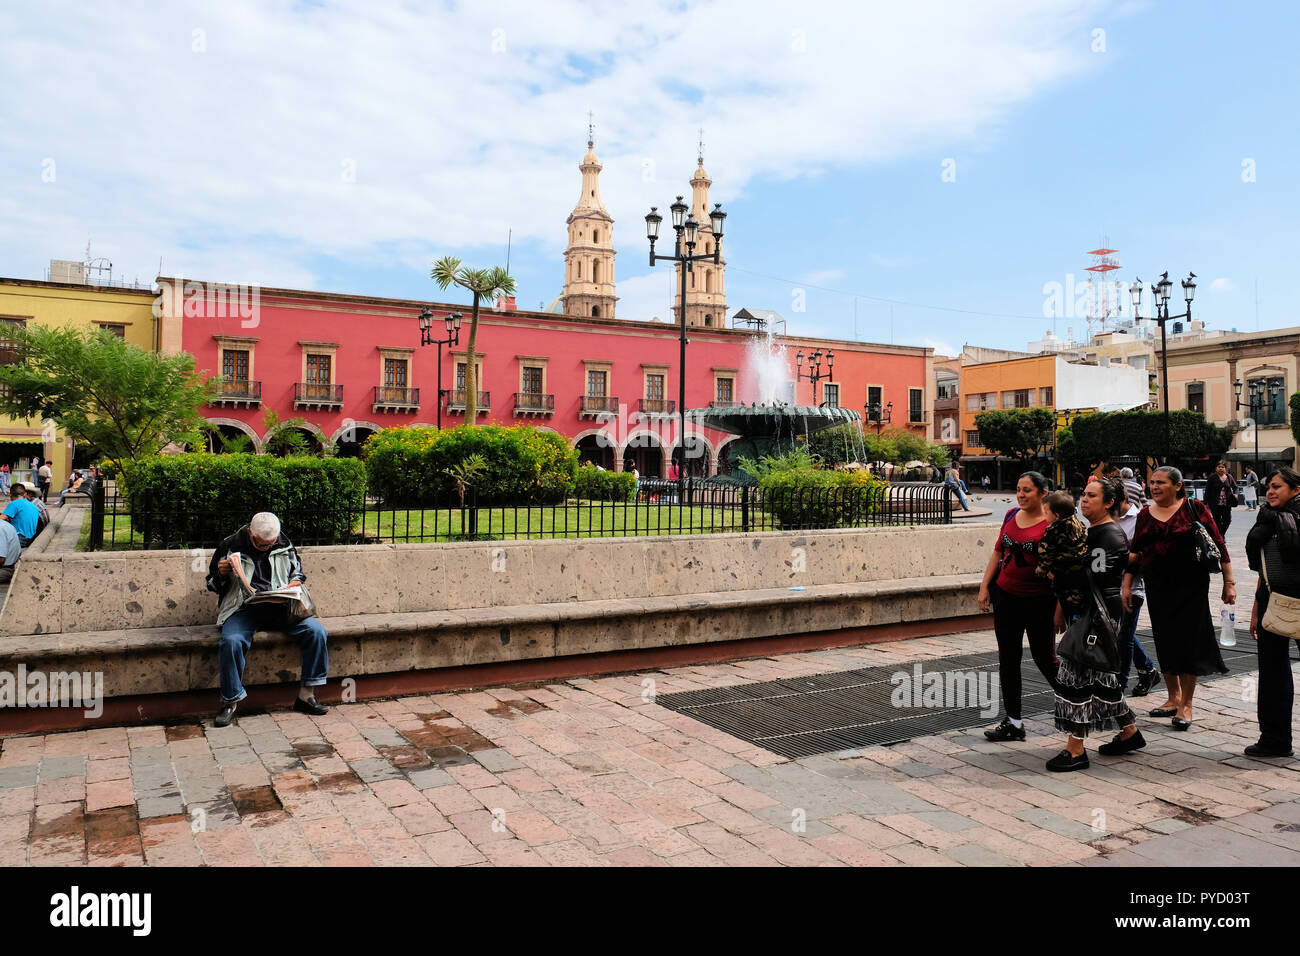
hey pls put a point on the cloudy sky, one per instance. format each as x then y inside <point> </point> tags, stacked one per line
<point>914,172</point>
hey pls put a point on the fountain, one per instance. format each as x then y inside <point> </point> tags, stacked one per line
<point>770,425</point>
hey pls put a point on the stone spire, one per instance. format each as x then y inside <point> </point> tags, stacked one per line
<point>706,298</point>
<point>589,256</point>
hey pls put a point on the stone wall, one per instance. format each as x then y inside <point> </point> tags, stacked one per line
<point>70,593</point>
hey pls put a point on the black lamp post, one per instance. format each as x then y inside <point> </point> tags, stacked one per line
<point>814,373</point>
<point>452,321</point>
<point>879,415</point>
<point>687,235</point>
<point>1160,299</point>
<point>1261,394</point>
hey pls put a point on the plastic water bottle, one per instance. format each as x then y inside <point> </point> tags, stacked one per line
<point>1227,627</point>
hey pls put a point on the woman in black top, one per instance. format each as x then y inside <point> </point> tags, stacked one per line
<point>1088,699</point>
<point>1221,496</point>
<point>1273,549</point>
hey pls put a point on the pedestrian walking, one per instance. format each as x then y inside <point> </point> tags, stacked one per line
<point>1221,496</point>
<point>1273,549</point>
<point>1169,550</point>
<point>1088,698</point>
<point>1133,492</point>
<point>1021,601</point>
<point>1132,655</point>
<point>1250,488</point>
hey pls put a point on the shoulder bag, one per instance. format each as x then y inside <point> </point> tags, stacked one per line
<point>1283,614</point>
<point>1092,641</point>
<point>1207,552</point>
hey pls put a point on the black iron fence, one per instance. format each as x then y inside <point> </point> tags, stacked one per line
<point>658,508</point>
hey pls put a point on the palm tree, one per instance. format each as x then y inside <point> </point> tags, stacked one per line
<point>489,284</point>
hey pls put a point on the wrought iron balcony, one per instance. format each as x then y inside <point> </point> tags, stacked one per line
<point>237,393</point>
<point>534,403</point>
<point>593,405</point>
<point>316,395</point>
<point>656,406</point>
<point>456,401</point>
<point>390,398</point>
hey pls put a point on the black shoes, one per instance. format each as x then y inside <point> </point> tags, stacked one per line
<point>1180,724</point>
<point>1145,682</point>
<point>1065,761</point>
<point>226,715</point>
<point>1163,712</point>
<point>310,706</point>
<point>1259,750</point>
<point>1121,745</point>
<point>1006,731</point>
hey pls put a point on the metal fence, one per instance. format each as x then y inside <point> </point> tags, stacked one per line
<point>658,508</point>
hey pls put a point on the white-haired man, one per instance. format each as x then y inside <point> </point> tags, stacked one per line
<point>269,562</point>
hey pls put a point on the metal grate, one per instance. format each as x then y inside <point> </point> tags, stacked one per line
<point>845,710</point>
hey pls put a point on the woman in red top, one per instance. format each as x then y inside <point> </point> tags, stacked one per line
<point>1022,602</point>
<point>1163,551</point>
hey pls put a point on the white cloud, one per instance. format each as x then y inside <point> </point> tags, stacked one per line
<point>1223,285</point>
<point>375,133</point>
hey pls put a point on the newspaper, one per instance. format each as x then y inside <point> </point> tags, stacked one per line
<point>253,596</point>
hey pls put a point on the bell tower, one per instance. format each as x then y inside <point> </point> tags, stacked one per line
<point>706,290</point>
<point>589,256</point>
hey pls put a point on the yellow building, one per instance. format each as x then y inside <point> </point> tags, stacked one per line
<point>126,312</point>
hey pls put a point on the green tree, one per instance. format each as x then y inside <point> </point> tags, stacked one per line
<point>1102,436</point>
<point>1020,433</point>
<point>123,401</point>
<point>1295,416</point>
<point>488,284</point>
<point>283,438</point>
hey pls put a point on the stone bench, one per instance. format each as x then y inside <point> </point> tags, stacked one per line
<point>145,620</point>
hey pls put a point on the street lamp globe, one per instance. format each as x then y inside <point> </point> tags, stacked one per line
<point>692,230</point>
<point>426,319</point>
<point>678,209</point>
<point>652,221</point>
<point>1189,286</point>
<point>717,219</point>
<point>1135,290</point>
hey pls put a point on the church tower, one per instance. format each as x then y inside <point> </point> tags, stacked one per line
<point>589,256</point>
<point>706,291</point>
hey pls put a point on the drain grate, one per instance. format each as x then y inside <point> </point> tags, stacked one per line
<point>846,710</point>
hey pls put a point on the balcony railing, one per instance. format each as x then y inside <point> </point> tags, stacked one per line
<point>237,392</point>
<point>918,416</point>
<point>456,401</point>
<point>317,394</point>
<point>946,404</point>
<point>393,398</point>
<point>723,403</point>
<point>534,403</point>
<point>599,405</point>
<point>656,406</point>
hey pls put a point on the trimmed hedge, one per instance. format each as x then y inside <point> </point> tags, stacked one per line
<point>595,484</point>
<point>820,498</point>
<point>179,499</point>
<point>525,465</point>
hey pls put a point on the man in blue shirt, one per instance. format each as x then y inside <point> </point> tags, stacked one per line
<point>22,514</point>
<point>11,550</point>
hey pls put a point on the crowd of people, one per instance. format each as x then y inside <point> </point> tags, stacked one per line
<point>1087,567</point>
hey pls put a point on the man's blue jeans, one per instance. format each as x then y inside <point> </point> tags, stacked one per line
<point>237,637</point>
<point>956,489</point>
<point>1130,648</point>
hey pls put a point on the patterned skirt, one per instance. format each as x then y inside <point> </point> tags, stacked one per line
<point>1089,700</point>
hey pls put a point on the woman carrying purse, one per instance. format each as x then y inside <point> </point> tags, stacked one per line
<point>1273,549</point>
<point>1089,697</point>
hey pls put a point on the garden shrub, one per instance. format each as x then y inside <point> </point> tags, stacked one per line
<point>820,498</point>
<point>179,500</point>
<point>596,484</point>
<point>524,465</point>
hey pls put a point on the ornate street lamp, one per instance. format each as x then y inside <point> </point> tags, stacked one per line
<point>452,322</point>
<point>1160,299</point>
<point>879,415</point>
<point>814,373</point>
<point>687,236</point>
<point>1262,394</point>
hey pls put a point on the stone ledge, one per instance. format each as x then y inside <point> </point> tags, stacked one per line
<point>161,660</point>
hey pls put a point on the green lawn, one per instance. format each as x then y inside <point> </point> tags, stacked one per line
<point>574,520</point>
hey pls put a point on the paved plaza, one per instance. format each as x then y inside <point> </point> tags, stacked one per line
<point>591,771</point>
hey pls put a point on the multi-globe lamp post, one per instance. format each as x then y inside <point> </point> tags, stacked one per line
<point>814,372</point>
<point>687,235</point>
<point>1160,299</point>
<point>452,321</point>
<point>1260,395</point>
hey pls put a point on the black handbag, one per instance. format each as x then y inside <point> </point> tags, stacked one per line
<point>1092,641</point>
<point>1207,552</point>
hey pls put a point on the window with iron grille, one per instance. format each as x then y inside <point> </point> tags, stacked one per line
<point>1196,397</point>
<point>725,389</point>
<point>915,412</point>
<point>460,376</point>
<point>394,373</point>
<point>831,396</point>
<point>318,369</point>
<point>118,330</point>
<point>973,439</point>
<point>234,365</point>
<point>8,344</point>
<point>597,383</point>
<point>654,387</point>
<point>532,380</point>
<point>873,396</point>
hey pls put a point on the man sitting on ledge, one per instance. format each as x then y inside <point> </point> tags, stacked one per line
<point>269,563</point>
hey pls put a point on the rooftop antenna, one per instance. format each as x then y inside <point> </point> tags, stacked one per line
<point>591,129</point>
<point>509,235</point>
<point>700,150</point>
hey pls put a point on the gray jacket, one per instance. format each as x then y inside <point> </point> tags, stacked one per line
<point>285,567</point>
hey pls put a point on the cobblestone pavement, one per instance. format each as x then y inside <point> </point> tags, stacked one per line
<point>586,772</point>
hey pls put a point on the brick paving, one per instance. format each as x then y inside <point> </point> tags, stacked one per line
<point>589,772</point>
